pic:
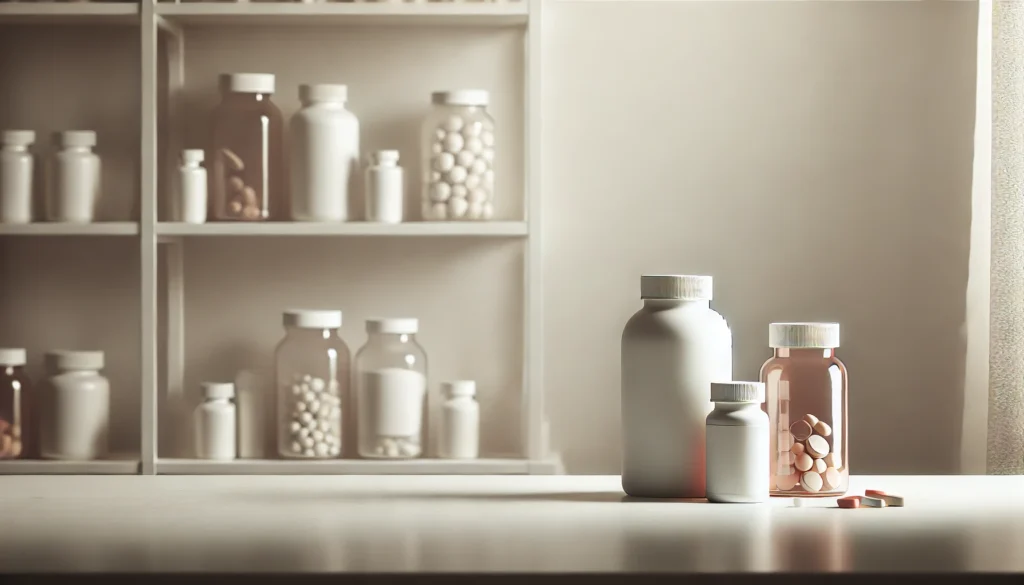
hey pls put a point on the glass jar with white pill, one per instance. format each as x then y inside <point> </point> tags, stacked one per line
<point>458,157</point>
<point>312,372</point>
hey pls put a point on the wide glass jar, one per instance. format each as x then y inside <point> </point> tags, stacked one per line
<point>15,405</point>
<point>391,391</point>
<point>458,157</point>
<point>312,372</point>
<point>247,180</point>
<point>806,393</point>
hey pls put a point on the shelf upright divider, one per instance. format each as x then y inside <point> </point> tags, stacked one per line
<point>147,235</point>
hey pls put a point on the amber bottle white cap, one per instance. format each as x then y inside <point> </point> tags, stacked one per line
<point>12,357</point>
<point>803,335</point>
<point>676,287</point>
<point>251,82</point>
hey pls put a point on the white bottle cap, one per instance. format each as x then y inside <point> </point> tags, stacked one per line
<point>76,138</point>
<point>803,335</point>
<point>458,388</point>
<point>675,287</point>
<point>462,97</point>
<point>193,155</point>
<point>737,392</point>
<point>323,92</point>
<point>74,360</point>
<point>312,319</point>
<point>218,390</point>
<point>251,82</point>
<point>12,357</point>
<point>385,157</point>
<point>18,137</point>
<point>393,326</point>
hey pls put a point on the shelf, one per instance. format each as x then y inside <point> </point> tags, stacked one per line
<point>41,467</point>
<point>69,12</point>
<point>497,229</point>
<point>117,228</point>
<point>355,13</point>
<point>348,467</point>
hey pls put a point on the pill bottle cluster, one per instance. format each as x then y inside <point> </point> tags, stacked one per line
<point>247,160</point>
<point>72,177</point>
<point>330,405</point>
<point>690,431</point>
<point>66,417</point>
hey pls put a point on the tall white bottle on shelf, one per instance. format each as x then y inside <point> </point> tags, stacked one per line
<point>74,178</point>
<point>192,183</point>
<point>324,154</point>
<point>16,176</point>
<point>215,421</point>
<point>460,421</point>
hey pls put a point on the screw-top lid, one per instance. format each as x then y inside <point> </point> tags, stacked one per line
<point>312,319</point>
<point>675,287</point>
<point>218,390</point>
<point>393,326</point>
<point>462,97</point>
<point>458,388</point>
<point>803,335</point>
<point>251,82</point>
<point>737,392</point>
<point>18,137</point>
<point>74,360</point>
<point>76,138</point>
<point>323,92</point>
<point>12,357</point>
<point>193,155</point>
<point>385,157</point>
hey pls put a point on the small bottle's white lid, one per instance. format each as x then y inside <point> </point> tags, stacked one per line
<point>75,360</point>
<point>393,326</point>
<point>462,97</point>
<point>218,390</point>
<point>737,392</point>
<point>13,357</point>
<point>385,157</point>
<point>312,319</point>
<point>457,388</point>
<point>803,335</point>
<point>18,137</point>
<point>676,287</point>
<point>323,92</point>
<point>193,156</point>
<point>251,82</point>
<point>77,138</point>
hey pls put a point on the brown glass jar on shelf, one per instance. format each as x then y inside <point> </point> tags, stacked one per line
<point>15,406</point>
<point>806,392</point>
<point>246,159</point>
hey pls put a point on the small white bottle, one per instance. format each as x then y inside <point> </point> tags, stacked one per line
<point>74,178</point>
<point>385,188</point>
<point>16,176</point>
<point>75,413</point>
<point>460,421</point>
<point>737,444</point>
<point>192,182</point>
<point>215,422</point>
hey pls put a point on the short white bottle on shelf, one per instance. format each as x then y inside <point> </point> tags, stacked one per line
<point>737,444</point>
<point>74,179</point>
<point>324,154</point>
<point>192,182</point>
<point>385,188</point>
<point>75,417</point>
<point>460,421</point>
<point>215,422</point>
<point>16,176</point>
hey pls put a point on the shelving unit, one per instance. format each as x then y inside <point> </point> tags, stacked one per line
<point>164,30</point>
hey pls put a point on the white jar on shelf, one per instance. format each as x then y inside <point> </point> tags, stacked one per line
<point>74,188</point>
<point>385,188</point>
<point>215,423</point>
<point>391,391</point>
<point>460,421</point>
<point>16,176</point>
<point>75,416</point>
<point>312,373</point>
<point>458,157</point>
<point>192,183</point>
<point>324,154</point>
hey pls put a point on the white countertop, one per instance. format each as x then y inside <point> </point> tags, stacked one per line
<point>492,523</point>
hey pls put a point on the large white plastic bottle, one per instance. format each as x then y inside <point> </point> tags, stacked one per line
<point>672,349</point>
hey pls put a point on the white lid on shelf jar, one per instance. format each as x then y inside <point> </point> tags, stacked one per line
<point>12,357</point>
<point>456,388</point>
<point>385,157</point>
<point>76,138</point>
<point>75,360</point>
<point>393,326</point>
<point>193,155</point>
<point>462,97</point>
<point>803,335</point>
<point>312,319</point>
<point>218,390</point>
<point>676,287</point>
<point>737,392</point>
<point>251,82</point>
<point>18,137</point>
<point>323,92</point>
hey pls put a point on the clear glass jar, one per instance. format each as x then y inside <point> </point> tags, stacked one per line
<point>16,430</point>
<point>391,391</point>
<point>806,393</point>
<point>312,373</point>
<point>247,166</point>
<point>458,157</point>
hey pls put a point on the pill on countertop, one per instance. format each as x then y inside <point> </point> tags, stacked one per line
<point>787,482</point>
<point>803,462</point>
<point>849,502</point>
<point>797,448</point>
<point>816,446</point>
<point>822,428</point>
<point>830,479</point>
<point>811,481</point>
<point>892,500</point>
<point>818,466</point>
<point>869,502</point>
<point>798,502</point>
<point>811,419</point>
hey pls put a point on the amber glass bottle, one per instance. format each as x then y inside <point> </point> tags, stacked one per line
<point>16,429</point>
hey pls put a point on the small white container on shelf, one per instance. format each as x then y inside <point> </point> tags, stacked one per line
<point>16,176</point>
<point>460,421</point>
<point>74,178</point>
<point>192,182</point>
<point>215,423</point>
<point>385,188</point>
<point>75,413</point>
<point>737,444</point>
